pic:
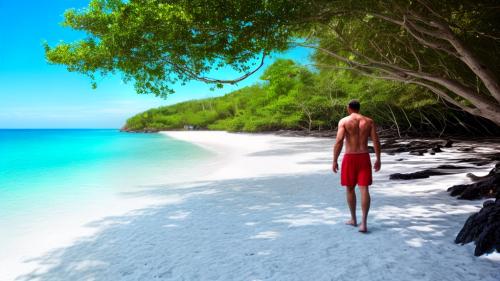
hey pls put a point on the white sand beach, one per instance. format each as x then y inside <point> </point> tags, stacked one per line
<point>269,208</point>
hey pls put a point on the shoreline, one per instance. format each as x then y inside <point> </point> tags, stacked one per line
<point>271,209</point>
<point>383,133</point>
<point>65,210</point>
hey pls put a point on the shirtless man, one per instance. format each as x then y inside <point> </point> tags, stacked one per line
<point>356,165</point>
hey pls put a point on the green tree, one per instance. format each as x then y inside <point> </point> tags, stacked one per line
<point>442,46</point>
<point>313,100</point>
<point>448,47</point>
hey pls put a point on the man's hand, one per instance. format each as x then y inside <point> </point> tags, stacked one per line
<point>335,167</point>
<point>377,165</point>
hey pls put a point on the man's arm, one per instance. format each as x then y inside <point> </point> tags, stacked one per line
<point>339,142</point>
<point>376,147</point>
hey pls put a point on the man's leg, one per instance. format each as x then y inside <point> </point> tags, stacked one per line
<point>365,207</point>
<point>351,201</point>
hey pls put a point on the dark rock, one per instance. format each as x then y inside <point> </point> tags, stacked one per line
<point>415,147</point>
<point>476,161</point>
<point>466,149</point>
<point>457,189</point>
<point>439,170</point>
<point>494,157</point>
<point>485,186</point>
<point>437,148</point>
<point>448,143</point>
<point>450,167</point>
<point>417,152</point>
<point>417,175</point>
<point>482,163</point>
<point>400,159</point>
<point>474,177</point>
<point>388,142</point>
<point>400,149</point>
<point>483,228</point>
<point>491,173</point>
<point>371,149</point>
<point>467,160</point>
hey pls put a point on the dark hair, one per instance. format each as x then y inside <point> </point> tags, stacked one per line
<point>354,105</point>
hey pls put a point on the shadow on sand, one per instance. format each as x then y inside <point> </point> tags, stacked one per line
<point>271,228</point>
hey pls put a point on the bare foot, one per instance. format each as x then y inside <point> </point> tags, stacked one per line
<point>351,222</point>
<point>363,228</point>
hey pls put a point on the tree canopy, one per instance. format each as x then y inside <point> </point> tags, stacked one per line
<point>157,43</point>
<point>448,47</point>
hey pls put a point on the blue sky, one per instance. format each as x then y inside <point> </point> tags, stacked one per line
<point>34,94</point>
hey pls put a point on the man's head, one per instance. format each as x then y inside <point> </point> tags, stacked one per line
<point>353,106</point>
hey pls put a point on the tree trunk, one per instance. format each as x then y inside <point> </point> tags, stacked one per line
<point>431,31</point>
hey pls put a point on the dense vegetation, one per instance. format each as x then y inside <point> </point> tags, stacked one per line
<point>447,47</point>
<point>297,98</point>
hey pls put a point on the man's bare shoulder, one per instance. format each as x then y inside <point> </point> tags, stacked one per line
<point>343,120</point>
<point>368,119</point>
<point>370,123</point>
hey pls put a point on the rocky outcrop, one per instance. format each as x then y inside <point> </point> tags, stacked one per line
<point>483,228</point>
<point>485,186</point>
<point>440,170</point>
<point>416,175</point>
<point>416,147</point>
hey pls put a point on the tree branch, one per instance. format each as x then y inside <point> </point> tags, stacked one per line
<point>463,53</point>
<point>402,74</point>
<point>488,78</point>
<point>191,74</point>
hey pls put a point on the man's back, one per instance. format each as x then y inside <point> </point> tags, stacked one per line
<point>357,130</point>
<point>356,164</point>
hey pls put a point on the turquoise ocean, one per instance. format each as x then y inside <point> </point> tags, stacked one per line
<point>46,173</point>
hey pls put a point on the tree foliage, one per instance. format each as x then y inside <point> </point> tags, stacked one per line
<point>157,43</point>
<point>447,47</point>
<point>294,97</point>
<point>443,46</point>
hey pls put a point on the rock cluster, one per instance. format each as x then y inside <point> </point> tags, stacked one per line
<point>439,170</point>
<point>416,175</point>
<point>483,228</point>
<point>416,147</point>
<point>486,186</point>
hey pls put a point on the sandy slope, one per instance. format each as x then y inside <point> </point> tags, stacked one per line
<point>270,209</point>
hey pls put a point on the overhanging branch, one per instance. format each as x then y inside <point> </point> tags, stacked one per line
<point>193,75</point>
<point>442,31</point>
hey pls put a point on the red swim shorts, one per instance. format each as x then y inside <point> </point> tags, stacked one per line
<point>356,169</point>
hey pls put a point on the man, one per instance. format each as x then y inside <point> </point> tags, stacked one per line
<point>356,165</point>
